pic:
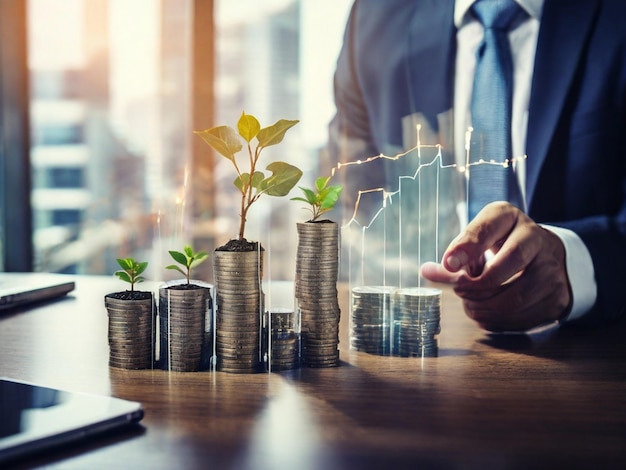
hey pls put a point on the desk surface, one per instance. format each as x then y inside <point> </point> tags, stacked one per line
<point>550,399</point>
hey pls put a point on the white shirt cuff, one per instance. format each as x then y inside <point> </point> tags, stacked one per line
<point>579,271</point>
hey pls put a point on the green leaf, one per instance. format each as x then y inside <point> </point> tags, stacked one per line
<point>332,196</point>
<point>241,182</point>
<point>321,182</point>
<point>188,251</point>
<point>324,193</point>
<point>257,178</point>
<point>300,199</point>
<point>311,197</point>
<point>139,279</point>
<point>141,267</point>
<point>248,126</point>
<point>123,275</point>
<point>123,262</point>
<point>275,133</point>
<point>178,257</point>
<point>337,188</point>
<point>223,139</point>
<point>284,178</point>
<point>329,201</point>
<point>199,258</point>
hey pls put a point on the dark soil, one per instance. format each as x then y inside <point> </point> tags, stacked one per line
<point>240,245</point>
<point>131,295</point>
<point>185,287</point>
<point>323,221</point>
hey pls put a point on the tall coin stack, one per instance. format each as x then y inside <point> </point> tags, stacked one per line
<point>282,340</point>
<point>370,319</point>
<point>182,319</point>
<point>317,266</point>
<point>239,303</point>
<point>416,322</point>
<point>131,332</point>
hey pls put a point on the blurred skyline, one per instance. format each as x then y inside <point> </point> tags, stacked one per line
<point>112,129</point>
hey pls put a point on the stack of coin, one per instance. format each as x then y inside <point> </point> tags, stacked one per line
<point>316,292</point>
<point>239,303</point>
<point>416,316</point>
<point>182,318</point>
<point>370,319</point>
<point>131,331</point>
<point>282,341</point>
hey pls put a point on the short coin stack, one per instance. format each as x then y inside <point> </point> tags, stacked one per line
<point>131,332</point>
<point>239,302</point>
<point>182,313</point>
<point>371,319</point>
<point>283,341</point>
<point>316,292</point>
<point>416,322</point>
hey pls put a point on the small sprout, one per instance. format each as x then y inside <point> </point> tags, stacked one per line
<point>131,271</point>
<point>188,259</point>
<point>322,199</point>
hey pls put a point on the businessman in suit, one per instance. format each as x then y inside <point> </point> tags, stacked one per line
<point>561,255</point>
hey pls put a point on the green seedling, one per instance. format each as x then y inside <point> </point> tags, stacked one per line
<point>251,182</point>
<point>188,260</point>
<point>131,271</point>
<point>322,198</point>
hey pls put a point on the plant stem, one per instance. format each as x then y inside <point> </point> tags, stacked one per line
<point>246,192</point>
<point>244,213</point>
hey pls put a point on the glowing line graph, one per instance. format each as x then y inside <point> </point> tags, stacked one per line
<point>387,196</point>
<point>465,169</point>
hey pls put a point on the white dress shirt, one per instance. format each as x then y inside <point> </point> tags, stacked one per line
<point>523,39</point>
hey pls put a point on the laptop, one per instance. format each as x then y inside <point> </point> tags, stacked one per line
<point>19,289</point>
<point>36,418</point>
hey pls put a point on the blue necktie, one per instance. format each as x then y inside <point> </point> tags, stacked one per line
<point>491,109</point>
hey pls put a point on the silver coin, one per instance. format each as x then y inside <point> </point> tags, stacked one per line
<point>236,366</point>
<point>249,340</point>
<point>130,330</point>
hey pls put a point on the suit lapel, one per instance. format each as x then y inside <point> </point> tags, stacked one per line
<point>562,36</point>
<point>430,59</point>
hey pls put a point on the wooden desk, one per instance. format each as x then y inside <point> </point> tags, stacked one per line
<point>553,399</point>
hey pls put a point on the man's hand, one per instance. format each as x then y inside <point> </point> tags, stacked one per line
<point>522,286</point>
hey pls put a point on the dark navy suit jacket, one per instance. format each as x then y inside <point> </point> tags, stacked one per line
<point>398,59</point>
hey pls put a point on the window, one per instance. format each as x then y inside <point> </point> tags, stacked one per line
<point>110,129</point>
<point>59,134</point>
<point>66,177</point>
<point>15,222</point>
<point>65,217</point>
<point>116,169</point>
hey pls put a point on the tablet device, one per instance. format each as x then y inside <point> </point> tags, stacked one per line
<point>35,418</point>
<point>20,289</point>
